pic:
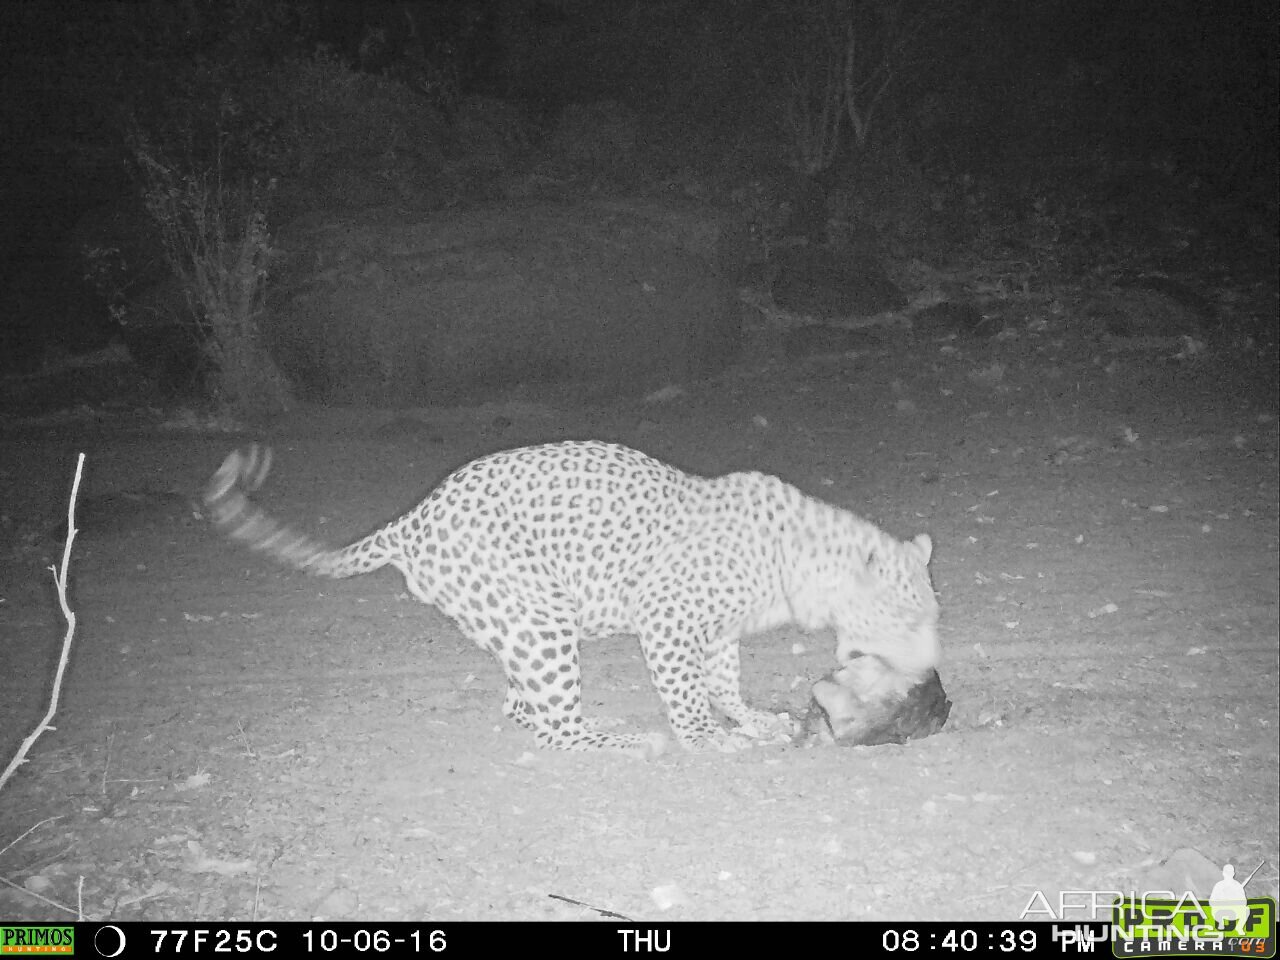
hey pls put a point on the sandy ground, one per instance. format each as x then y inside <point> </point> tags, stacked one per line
<point>238,741</point>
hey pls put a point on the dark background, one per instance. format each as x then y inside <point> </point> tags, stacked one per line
<point>1089,107</point>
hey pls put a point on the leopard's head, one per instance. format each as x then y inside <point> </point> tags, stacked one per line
<point>893,613</point>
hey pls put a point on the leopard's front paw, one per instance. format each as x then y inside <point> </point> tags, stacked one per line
<point>717,740</point>
<point>768,727</point>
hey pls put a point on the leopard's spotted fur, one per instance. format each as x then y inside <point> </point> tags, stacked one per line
<point>530,550</point>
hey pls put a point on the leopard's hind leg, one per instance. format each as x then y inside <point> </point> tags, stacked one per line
<point>538,651</point>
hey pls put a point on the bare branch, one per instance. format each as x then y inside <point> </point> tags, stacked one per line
<point>60,583</point>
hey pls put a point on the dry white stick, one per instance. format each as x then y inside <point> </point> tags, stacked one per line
<point>35,826</point>
<point>107,766</point>
<point>60,582</point>
<point>35,896</point>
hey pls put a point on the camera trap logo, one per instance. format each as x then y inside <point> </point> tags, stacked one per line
<point>1228,924</point>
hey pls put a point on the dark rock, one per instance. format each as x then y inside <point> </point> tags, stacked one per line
<point>1135,312</point>
<point>821,282</point>
<point>1183,295</point>
<point>960,319</point>
<point>816,339</point>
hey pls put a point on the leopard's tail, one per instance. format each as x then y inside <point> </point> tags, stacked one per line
<point>226,497</point>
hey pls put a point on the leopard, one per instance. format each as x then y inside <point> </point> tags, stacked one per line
<point>532,550</point>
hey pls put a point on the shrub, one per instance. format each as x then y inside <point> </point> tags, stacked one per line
<point>214,236</point>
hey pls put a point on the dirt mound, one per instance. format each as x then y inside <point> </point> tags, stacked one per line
<point>388,309</point>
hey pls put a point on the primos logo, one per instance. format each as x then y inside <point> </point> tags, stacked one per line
<point>36,941</point>
<point>1194,928</point>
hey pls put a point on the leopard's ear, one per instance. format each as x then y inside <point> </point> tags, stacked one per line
<point>924,543</point>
